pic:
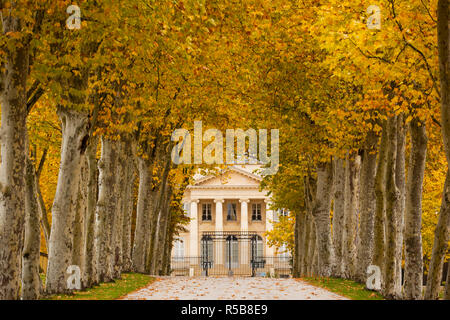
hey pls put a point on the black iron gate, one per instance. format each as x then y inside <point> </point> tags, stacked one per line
<point>232,253</point>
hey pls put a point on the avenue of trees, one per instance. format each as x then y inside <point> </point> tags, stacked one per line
<point>87,116</point>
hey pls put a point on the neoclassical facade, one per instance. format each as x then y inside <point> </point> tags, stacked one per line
<point>229,217</point>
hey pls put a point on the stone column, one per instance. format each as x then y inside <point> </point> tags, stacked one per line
<point>219,228</point>
<point>244,228</point>
<point>269,227</point>
<point>193,229</point>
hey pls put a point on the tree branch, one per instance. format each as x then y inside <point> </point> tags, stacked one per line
<point>35,98</point>
<point>41,163</point>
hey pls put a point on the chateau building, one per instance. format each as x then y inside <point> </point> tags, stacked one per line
<point>226,235</point>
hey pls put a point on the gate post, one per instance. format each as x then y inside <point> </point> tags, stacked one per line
<point>230,272</point>
<point>204,257</point>
<point>253,251</point>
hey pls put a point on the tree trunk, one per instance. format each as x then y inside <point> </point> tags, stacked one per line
<point>43,214</point>
<point>162,233</point>
<point>338,214</point>
<point>142,215</point>
<point>168,249</point>
<point>79,231</point>
<point>400,180</point>
<point>106,209</point>
<point>13,99</point>
<point>351,216</point>
<point>31,282</point>
<point>367,208</point>
<point>128,205</point>
<point>121,184</point>
<point>442,228</point>
<point>90,262</point>
<point>321,214</point>
<point>380,195</point>
<point>392,208</point>
<point>312,266</point>
<point>307,245</point>
<point>447,283</point>
<point>315,269</point>
<point>159,219</point>
<point>74,127</point>
<point>444,64</point>
<point>296,255</point>
<point>298,244</point>
<point>413,215</point>
<point>151,226</point>
<point>441,238</point>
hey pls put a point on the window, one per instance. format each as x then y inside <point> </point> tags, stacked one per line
<point>231,212</point>
<point>284,212</point>
<point>280,212</point>
<point>256,211</point>
<point>232,252</point>
<point>206,212</point>
<point>178,249</point>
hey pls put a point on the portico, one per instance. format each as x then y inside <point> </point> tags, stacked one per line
<point>232,205</point>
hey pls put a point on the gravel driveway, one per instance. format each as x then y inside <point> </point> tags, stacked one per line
<point>229,288</point>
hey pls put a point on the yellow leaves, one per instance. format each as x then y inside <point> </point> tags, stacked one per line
<point>14,34</point>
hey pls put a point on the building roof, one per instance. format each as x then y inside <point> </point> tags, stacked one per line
<point>242,170</point>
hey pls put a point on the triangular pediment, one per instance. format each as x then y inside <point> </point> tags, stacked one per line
<point>230,176</point>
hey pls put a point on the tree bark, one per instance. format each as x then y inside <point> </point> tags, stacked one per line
<point>142,215</point>
<point>447,283</point>
<point>380,195</point>
<point>392,224</point>
<point>43,214</point>
<point>441,238</point>
<point>444,64</point>
<point>31,282</point>
<point>321,214</point>
<point>79,230</point>
<point>306,261</point>
<point>312,266</point>
<point>152,227</point>
<point>128,205</point>
<point>162,233</point>
<point>90,263</point>
<point>400,180</point>
<point>74,127</point>
<point>41,204</point>
<point>442,228</point>
<point>158,214</point>
<point>13,99</point>
<point>106,209</point>
<point>338,215</point>
<point>121,184</point>
<point>351,216</point>
<point>413,215</point>
<point>168,249</point>
<point>298,244</point>
<point>367,208</point>
<point>309,242</point>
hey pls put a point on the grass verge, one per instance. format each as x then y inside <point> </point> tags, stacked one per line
<point>347,288</point>
<point>108,291</point>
